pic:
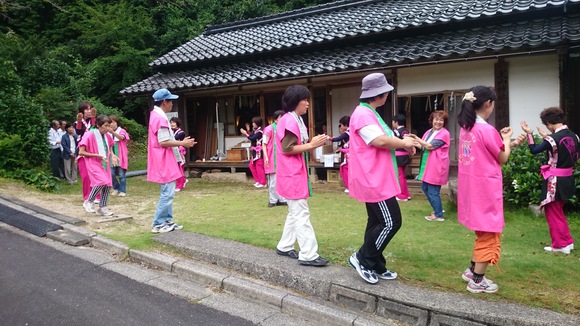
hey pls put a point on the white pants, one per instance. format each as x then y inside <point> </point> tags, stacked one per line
<point>298,228</point>
<point>274,197</point>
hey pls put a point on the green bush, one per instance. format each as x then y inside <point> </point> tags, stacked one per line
<point>522,182</point>
<point>38,178</point>
<point>12,157</point>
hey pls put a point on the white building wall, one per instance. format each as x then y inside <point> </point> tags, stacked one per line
<point>444,76</point>
<point>533,85</point>
<point>343,102</point>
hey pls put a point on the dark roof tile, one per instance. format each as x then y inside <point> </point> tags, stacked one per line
<point>341,19</point>
<point>528,35</point>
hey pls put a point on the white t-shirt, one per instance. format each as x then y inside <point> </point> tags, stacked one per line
<point>370,132</point>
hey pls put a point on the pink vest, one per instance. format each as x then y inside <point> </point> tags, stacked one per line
<point>123,152</point>
<point>372,176</point>
<point>435,165</point>
<point>98,175</point>
<point>479,180</point>
<point>291,175</point>
<point>162,166</point>
<point>269,132</point>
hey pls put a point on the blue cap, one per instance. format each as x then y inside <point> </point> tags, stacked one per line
<point>163,94</point>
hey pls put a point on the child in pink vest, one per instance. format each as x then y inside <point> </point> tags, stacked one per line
<point>343,140</point>
<point>434,167</point>
<point>558,183</point>
<point>95,148</point>
<point>179,135</point>
<point>269,152</point>
<point>119,167</point>
<point>373,178</point>
<point>292,177</point>
<point>481,152</point>
<point>256,164</point>
<point>403,159</point>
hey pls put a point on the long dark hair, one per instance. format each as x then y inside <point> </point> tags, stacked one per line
<point>482,94</point>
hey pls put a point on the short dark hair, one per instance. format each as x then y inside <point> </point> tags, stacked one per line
<point>370,99</point>
<point>552,115</point>
<point>400,119</point>
<point>293,95</point>
<point>116,119</point>
<point>176,120</point>
<point>68,125</point>
<point>277,114</point>
<point>257,120</point>
<point>84,105</point>
<point>345,121</point>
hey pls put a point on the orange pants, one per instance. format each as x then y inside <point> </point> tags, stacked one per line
<point>487,247</point>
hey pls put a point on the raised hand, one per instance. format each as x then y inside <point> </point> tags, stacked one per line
<point>506,133</point>
<point>542,132</point>
<point>318,140</point>
<point>525,127</point>
<point>188,142</point>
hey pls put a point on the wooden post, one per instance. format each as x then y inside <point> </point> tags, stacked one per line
<point>502,105</point>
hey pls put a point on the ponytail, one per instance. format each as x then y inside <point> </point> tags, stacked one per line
<point>472,102</point>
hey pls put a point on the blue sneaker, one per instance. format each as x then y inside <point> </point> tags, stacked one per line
<point>366,274</point>
<point>388,275</point>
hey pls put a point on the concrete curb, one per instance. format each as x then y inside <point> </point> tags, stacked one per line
<point>333,285</point>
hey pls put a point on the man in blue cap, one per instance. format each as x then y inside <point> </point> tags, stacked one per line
<point>163,159</point>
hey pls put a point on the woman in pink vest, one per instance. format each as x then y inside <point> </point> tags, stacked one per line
<point>434,167</point>
<point>373,177</point>
<point>403,159</point>
<point>95,148</point>
<point>481,152</point>
<point>558,183</point>
<point>163,159</point>
<point>269,153</point>
<point>85,122</point>
<point>292,177</point>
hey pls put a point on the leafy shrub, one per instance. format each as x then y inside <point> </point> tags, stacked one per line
<point>12,154</point>
<point>522,182</point>
<point>19,115</point>
<point>39,178</point>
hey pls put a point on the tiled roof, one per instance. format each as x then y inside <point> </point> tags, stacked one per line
<point>338,21</point>
<point>527,35</point>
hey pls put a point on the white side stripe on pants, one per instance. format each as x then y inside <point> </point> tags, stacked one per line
<point>388,224</point>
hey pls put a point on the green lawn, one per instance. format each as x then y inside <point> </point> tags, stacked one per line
<point>426,254</point>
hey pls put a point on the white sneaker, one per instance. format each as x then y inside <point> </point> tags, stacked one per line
<point>115,192</point>
<point>259,185</point>
<point>89,207</point>
<point>564,250</point>
<point>468,276</point>
<point>483,286</point>
<point>388,275</point>
<point>122,194</point>
<point>175,225</point>
<point>571,246</point>
<point>162,228</point>
<point>104,211</point>
<point>346,190</point>
<point>255,184</point>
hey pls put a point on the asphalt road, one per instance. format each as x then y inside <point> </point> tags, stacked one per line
<point>40,285</point>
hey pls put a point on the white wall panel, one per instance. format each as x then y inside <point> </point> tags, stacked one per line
<point>444,76</point>
<point>534,85</point>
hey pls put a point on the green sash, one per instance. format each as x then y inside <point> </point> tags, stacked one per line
<point>387,131</point>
